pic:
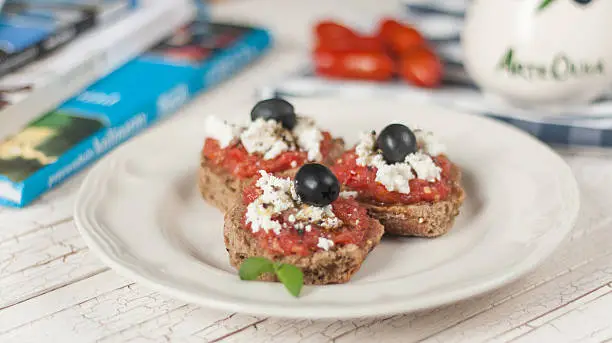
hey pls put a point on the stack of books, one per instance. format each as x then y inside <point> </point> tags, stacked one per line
<point>51,49</point>
<point>103,82</point>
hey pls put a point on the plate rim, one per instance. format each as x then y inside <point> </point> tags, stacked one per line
<point>398,306</point>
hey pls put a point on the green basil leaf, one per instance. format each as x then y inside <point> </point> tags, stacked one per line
<point>292,277</point>
<point>253,267</point>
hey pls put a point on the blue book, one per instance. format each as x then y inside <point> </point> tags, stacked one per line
<point>63,142</point>
<point>32,29</point>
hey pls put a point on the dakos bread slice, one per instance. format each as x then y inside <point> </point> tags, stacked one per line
<point>336,265</point>
<point>328,243</point>
<point>413,193</point>
<point>275,141</point>
<point>423,219</point>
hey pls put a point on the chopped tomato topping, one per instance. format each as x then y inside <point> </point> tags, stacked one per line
<point>304,241</point>
<point>363,180</point>
<point>237,161</point>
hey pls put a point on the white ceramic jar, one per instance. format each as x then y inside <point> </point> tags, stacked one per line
<point>539,52</point>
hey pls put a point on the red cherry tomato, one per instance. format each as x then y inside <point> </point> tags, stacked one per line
<point>359,43</point>
<point>387,26</point>
<point>336,37</point>
<point>331,30</point>
<point>421,67</point>
<point>368,43</point>
<point>374,66</point>
<point>399,38</point>
<point>333,36</point>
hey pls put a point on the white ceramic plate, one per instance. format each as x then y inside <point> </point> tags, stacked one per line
<point>140,210</point>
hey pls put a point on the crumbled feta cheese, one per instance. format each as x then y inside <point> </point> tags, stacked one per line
<point>267,137</point>
<point>429,143</point>
<point>276,149</point>
<point>294,194</point>
<point>395,177</point>
<point>309,138</point>
<point>366,149</point>
<point>277,192</point>
<point>325,243</point>
<point>424,166</point>
<point>220,130</point>
<point>348,194</point>
<point>278,195</point>
<point>260,218</point>
<point>322,216</point>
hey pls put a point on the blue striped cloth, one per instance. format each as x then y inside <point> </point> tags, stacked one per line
<point>441,21</point>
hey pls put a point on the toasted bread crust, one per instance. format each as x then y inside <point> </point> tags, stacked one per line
<point>323,267</point>
<point>218,187</point>
<point>221,189</point>
<point>423,219</point>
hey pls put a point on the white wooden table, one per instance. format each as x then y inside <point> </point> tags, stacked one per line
<point>53,289</point>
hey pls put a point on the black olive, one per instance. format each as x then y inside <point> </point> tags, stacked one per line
<point>396,141</point>
<point>276,109</point>
<point>316,185</point>
<point>583,2</point>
